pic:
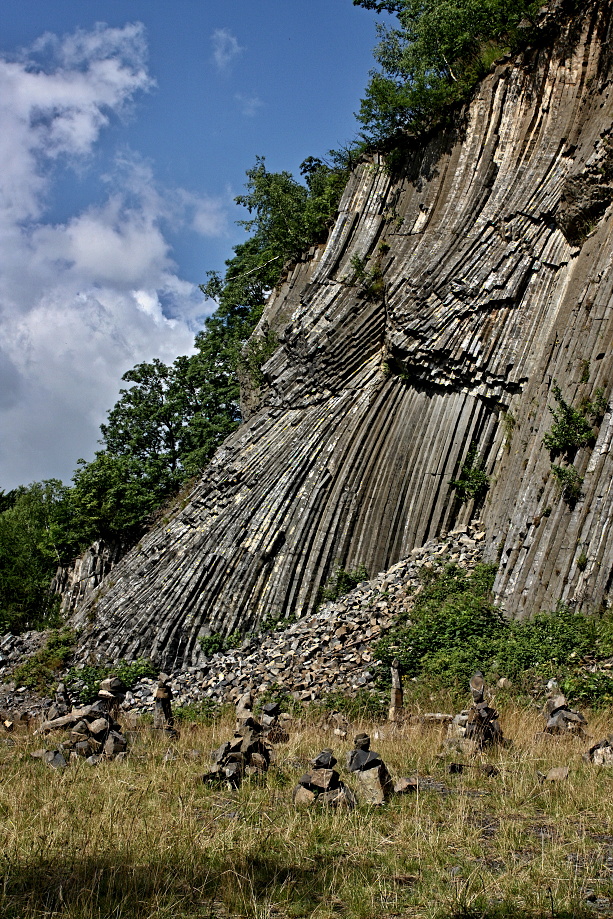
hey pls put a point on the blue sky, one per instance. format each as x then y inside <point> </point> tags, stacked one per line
<point>126,128</point>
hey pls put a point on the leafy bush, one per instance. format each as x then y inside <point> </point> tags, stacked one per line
<point>473,482</point>
<point>204,712</point>
<point>40,670</point>
<point>341,582</point>
<point>572,427</point>
<point>129,673</point>
<point>214,643</point>
<point>434,57</point>
<point>453,624</point>
<point>568,481</point>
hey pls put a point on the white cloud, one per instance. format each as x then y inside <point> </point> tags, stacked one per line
<point>82,300</point>
<point>249,105</point>
<point>225,48</point>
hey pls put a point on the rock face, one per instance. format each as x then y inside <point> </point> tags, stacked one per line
<point>486,282</point>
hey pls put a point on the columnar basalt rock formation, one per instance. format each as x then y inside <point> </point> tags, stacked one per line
<point>486,257</point>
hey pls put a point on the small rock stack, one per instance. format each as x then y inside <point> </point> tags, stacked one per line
<point>245,754</point>
<point>477,727</point>
<point>323,785</point>
<point>375,780</point>
<point>94,733</point>
<point>561,720</point>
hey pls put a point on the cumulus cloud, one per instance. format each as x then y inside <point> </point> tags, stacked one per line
<point>225,48</point>
<point>83,300</point>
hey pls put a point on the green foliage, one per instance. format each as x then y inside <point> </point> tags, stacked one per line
<point>573,427</point>
<point>39,671</point>
<point>257,351</point>
<point>369,280</point>
<point>215,642</point>
<point>276,623</point>
<point>130,673</point>
<point>454,629</point>
<point>568,481</point>
<point>434,57</point>
<point>595,689</point>
<point>35,537</point>
<point>212,644</point>
<point>473,482</point>
<point>365,703</point>
<point>341,582</point>
<point>453,623</point>
<point>206,711</point>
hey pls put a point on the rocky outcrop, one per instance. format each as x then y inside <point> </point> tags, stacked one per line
<point>79,581</point>
<point>451,296</point>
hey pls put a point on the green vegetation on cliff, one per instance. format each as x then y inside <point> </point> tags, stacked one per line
<point>434,57</point>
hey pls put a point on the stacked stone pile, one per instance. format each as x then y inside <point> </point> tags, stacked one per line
<point>93,731</point>
<point>323,784</point>
<point>250,750</point>
<point>375,781</point>
<point>477,727</point>
<point>562,720</point>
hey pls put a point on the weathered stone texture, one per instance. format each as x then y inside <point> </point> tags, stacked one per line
<point>371,403</point>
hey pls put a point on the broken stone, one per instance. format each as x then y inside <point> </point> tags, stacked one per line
<point>115,743</point>
<point>358,760</point>
<point>325,760</point>
<point>557,774</point>
<point>303,795</point>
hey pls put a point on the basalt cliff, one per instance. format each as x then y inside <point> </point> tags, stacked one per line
<point>456,290</point>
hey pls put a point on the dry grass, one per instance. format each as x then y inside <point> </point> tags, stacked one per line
<point>145,838</point>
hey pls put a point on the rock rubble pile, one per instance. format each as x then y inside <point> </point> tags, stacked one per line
<point>329,651</point>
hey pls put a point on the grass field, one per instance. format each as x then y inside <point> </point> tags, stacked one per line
<point>146,839</point>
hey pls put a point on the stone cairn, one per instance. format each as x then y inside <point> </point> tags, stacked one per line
<point>562,720</point>
<point>94,732</point>
<point>323,785</point>
<point>372,773</point>
<point>477,727</point>
<point>163,718</point>
<point>249,752</point>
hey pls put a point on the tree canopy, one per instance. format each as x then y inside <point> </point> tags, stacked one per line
<point>434,57</point>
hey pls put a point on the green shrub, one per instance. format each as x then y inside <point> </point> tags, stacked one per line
<point>572,427</point>
<point>204,712</point>
<point>453,622</point>
<point>472,483</point>
<point>40,670</point>
<point>569,482</point>
<point>129,673</point>
<point>214,643</point>
<point>341,582</point>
